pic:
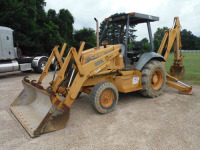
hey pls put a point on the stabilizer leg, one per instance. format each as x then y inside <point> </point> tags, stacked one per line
<point>182,87</point>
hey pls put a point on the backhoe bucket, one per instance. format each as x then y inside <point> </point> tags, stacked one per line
<point>34,110</point>
<point>177,71</point>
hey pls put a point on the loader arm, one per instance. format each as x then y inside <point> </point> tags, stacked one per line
<point>42,110</point>
<point>84,72</point>
<point>54,53</point>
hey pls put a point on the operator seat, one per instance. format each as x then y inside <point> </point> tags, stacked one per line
<point>136,50</point>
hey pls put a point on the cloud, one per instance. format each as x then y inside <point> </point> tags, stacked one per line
<point>85,11</point>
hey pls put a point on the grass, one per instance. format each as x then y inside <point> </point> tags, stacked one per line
<point>191,62</point>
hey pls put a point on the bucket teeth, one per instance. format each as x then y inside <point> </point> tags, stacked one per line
<point>26,79</point>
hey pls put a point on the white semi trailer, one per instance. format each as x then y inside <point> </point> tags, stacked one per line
<point>9,59</point>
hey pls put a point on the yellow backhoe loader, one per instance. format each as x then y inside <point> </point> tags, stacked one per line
<point>102,72</point>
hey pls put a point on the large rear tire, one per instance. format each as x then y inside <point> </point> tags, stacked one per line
<point>153,79</point>
<point>104,97</point>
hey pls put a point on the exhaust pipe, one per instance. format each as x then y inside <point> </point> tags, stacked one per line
<point>97,31</point>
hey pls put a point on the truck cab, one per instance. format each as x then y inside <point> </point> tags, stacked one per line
<point>6,44</point>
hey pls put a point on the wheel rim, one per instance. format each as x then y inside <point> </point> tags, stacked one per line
<point>43,64</point>
<point>157,79</point>
<point>107,98</point>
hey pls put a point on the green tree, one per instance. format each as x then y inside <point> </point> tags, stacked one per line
<point>188,40</point>
<point>21,16</point>
<point>51,36</point>
<point>144,40</point>
<point>66,21</point>
<point>158,36</point>
<point>131,45</point>
<point>87,35</point>
<point>40,13</point>
<point>52,16</point>
<point>146,46</point>
<point>34,29</point>
<point>197,43</point>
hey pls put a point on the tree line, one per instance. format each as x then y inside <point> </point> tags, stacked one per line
<point>189,40</point>
<point>38,31</point>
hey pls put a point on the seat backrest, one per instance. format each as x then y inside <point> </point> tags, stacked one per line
<point>137,46</point>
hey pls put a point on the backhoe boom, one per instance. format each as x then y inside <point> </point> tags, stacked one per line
<point>172,38</point>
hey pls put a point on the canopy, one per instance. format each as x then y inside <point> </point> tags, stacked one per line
<point>135,18</point>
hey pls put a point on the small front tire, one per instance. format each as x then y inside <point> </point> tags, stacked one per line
<point>104,97</point>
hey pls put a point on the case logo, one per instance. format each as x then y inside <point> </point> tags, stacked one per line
<point>99,62</point>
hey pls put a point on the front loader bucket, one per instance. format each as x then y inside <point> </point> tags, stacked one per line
<point>34,110</point>
<point>177,71</point>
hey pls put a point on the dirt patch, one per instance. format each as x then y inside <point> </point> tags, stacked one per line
<point>171,121</point>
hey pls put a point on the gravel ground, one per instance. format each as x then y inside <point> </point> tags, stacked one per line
<point>171,121</point>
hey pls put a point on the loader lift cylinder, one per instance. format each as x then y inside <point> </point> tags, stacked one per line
<point>70,80</point>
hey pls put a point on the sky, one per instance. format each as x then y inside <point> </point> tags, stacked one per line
<point>84,12</point>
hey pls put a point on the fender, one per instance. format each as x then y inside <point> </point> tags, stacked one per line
<point>36,60</point>
<point>146,57</point>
